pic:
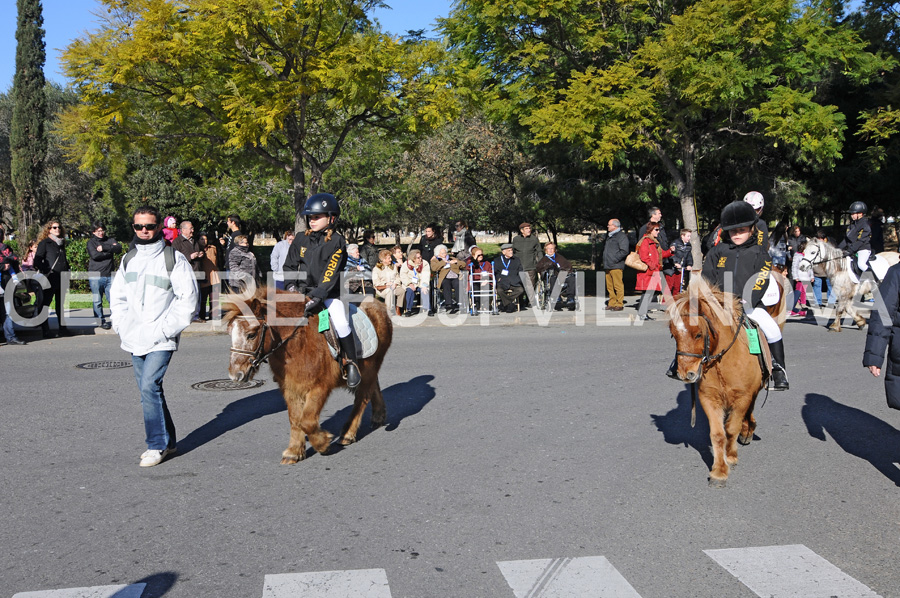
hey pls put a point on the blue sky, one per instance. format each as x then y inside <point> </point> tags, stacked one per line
<point>65,20</point>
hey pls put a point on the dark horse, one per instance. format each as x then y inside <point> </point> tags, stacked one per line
<point>301,363</point>
<point>713,353</point>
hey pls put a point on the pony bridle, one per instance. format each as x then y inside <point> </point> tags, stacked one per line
<point>257,354</point>
<point>705,357</point>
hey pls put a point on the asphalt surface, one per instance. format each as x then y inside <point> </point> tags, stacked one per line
<point>503,442</point>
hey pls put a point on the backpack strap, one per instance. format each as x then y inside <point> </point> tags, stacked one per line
<point>168,253</point>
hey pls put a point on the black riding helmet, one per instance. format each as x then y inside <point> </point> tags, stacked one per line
<point>858,207</point>
<point>738,214</point>
<point>321,203</point>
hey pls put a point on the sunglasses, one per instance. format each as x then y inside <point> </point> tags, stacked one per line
<point>140,227</point>
<point>52,227</point>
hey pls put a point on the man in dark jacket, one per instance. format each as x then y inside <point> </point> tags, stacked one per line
<point>188,245</point>
<point>614,253</point>
<point>527,248</point>
<point>507,270</point>
<point>101,251</point>
<point>881,335</point>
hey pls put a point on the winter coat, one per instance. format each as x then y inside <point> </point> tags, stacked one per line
<point>681,255</point>
<point>615,250</point>
<point>528,250</point>
<point>749,265</point>
<point>797,274</point>
<point>242,265</point>
<point>369,252</point>
<point>276,260</point>
<point>102,260</point>
<point>314,264</point>
<point>507,272</point>
<point>444,267</point>
<point>50,257</point>
<point>426,246</point>
<point>409,275</point>
<point>885,337</point>
<point>186,247</point>
<point>149,308</point>
<point>383,277</point>
<point>859,237</point>
<point>555,263</point>
<point>354,276</point>
<point>209,263</point>
<point>651,254</point>
<point>477,270</point>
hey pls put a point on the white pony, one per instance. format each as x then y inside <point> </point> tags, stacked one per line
<point>827,259</point>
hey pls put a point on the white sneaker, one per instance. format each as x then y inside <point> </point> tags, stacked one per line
<point>153,457</point>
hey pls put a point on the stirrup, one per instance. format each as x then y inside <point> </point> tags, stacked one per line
<point>350,373</point>
<point>779,378</point>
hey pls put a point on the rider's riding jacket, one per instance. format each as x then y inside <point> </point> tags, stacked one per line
<point>321,261</point>
<point>749,265</point>
<point>859,237</point>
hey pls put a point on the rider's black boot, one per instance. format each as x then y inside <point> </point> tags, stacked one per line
<point>779,375</point>
<point>348,348</point>
<point>673,370</point>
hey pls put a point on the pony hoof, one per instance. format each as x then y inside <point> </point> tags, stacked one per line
<point>716,483</point>
<point>347,440</point>
<point>290,460</point>
<point>377,423</point>
<point>745,440</point>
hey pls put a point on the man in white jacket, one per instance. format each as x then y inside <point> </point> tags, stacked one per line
<point>151,302</point>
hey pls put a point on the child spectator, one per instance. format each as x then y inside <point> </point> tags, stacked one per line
<point>170,232</point>
<point>680,264</point>
<point>801,281</point>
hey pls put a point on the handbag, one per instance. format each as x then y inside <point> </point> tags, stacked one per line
<point>633,260</point>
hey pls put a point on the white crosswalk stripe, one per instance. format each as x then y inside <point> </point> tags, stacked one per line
<point>127,591</point>
<point>583,577</point>
<point>360,583</point>
<point>792,571</point>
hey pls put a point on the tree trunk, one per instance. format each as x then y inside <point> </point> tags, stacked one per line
<point>299,177</point>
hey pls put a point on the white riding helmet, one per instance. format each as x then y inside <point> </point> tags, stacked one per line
<point>755,199</point>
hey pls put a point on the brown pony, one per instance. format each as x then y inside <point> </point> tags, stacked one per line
<point>713,354</point>
<point>301,363</point>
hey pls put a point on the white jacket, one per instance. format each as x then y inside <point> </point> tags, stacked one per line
<point>796,273</point>
<point>148,309</point>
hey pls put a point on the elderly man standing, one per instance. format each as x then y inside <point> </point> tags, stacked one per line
<point>153,296</point>
<point>527,248</point>
<point>614,253</point>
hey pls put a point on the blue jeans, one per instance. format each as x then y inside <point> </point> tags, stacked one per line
<point>817,290</point>
<point>149,370</point>
<point>99,288</point>
<point>424,298</point>
<point>5,307</point>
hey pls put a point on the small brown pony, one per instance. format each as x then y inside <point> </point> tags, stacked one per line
<point>713,354</point>
<point>302,364</point>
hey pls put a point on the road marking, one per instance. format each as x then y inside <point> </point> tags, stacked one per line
<point>130,591</point>
<point>360,583</point>
<point>583,577</point>
<point>792,571</point>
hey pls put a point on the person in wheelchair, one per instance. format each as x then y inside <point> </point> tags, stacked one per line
<point>549,268</point>
<point>480,272</point>
<point>507,271</point>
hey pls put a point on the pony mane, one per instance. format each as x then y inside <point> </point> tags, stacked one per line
<point>707,299</point>
<point>258,303</point>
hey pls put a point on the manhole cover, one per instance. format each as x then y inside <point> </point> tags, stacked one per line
<point>104,365</point>
<point>227,385</point>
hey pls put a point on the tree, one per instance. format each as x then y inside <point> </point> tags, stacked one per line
<point>28,145</point>
<point>720,77</point>
<point>219,80</point>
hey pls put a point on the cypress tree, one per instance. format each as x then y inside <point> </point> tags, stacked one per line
<point>28,144</point>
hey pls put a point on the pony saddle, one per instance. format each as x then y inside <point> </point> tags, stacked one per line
<point>364,336</point>
<point>877,266</point>
<point>765,354</point>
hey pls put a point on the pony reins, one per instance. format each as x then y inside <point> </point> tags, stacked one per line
<point>705,357</point>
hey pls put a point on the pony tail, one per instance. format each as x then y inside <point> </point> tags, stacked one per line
<point>328,235</point>
<point>306,232</point>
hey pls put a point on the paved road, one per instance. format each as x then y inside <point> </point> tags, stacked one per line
<point>505,445</point>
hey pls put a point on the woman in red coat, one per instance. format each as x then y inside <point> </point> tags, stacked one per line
<point>651,254</point>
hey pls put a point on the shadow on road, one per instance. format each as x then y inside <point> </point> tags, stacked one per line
<point>158,585</point>
<point>856,432</point>
<point>402,400</point>
<point>234,416</point>
<point>676,427</point>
